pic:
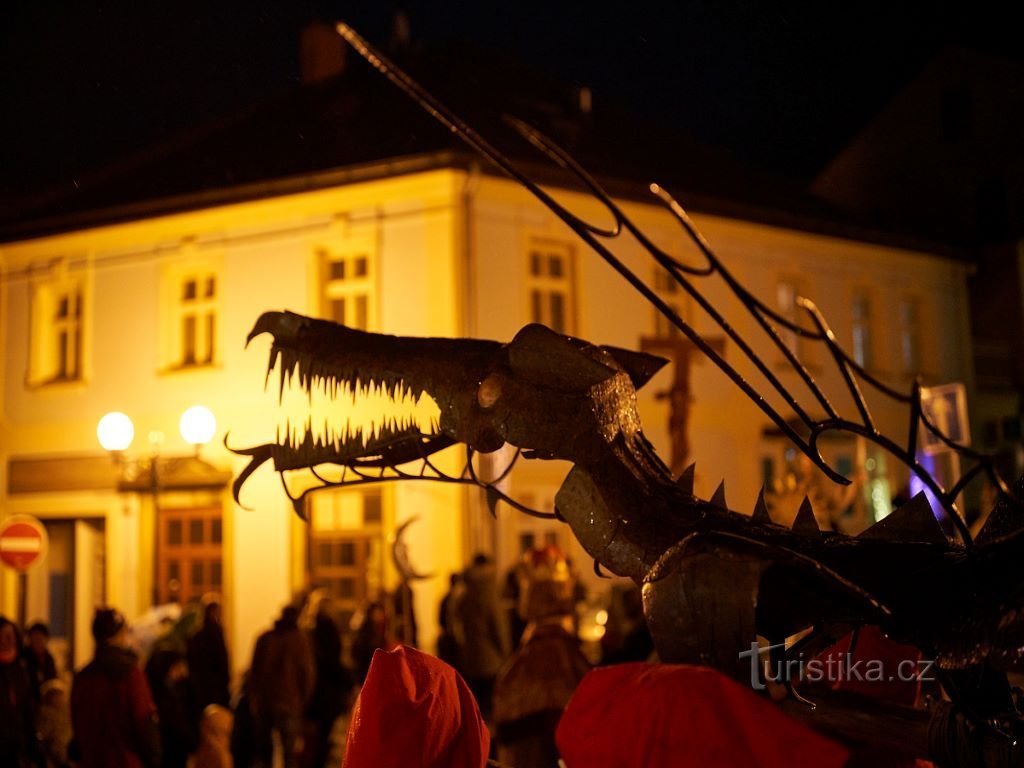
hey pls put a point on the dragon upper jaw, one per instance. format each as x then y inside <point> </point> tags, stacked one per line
<point>480,391</point>
<point>331,365</point>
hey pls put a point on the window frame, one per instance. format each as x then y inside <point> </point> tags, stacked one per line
<point>867,324</point>
<point>204,309</point>
<point>350,286</point>
<point>52,362</point>
<point>541,287</point>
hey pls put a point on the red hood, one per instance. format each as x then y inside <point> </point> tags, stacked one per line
<point>415,711</point>
<point>678,716</point>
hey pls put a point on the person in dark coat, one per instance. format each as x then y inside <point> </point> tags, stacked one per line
<point>449,638</point>
<point>281,680</point>
<point>484,634</point>
<point>243,737</point>
<point>113,717</point>
<point>372,634</point>
<point>18,746</point>
<point>333,684</point>
<point>37,656</point>
<point>208,665</point>
<point>167,673</point>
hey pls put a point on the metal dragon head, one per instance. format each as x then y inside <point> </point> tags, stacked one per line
<point>554,396</point>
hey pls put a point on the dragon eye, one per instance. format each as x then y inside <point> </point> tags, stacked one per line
<point>489,392</point>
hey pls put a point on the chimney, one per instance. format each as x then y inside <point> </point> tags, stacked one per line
<point>322,52</point>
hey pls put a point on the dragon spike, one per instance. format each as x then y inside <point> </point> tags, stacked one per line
<point>761,509</point>
<point>1005,518</point>
<point>718,498</point>
<point>914,521</point>
<point>805,521</point>
<point>685,480</point>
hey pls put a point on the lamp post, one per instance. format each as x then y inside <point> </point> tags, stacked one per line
<point>153,473</point>
<point>149,474</point>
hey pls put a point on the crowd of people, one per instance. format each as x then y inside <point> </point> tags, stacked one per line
<point>172,706</point>
<point>168,700</point>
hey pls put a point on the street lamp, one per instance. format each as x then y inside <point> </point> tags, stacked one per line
<point>154,473</point>
<point>115,432</point>
<point>197,426</point>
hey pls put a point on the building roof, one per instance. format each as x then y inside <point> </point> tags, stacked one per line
<point>357,126</point>
<point>943,156</point>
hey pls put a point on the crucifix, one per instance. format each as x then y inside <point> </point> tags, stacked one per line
<point>680,351</point>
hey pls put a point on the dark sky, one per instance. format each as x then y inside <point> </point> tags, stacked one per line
<point>779,85</point>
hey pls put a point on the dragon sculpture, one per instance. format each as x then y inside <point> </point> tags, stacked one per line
<point>713,579</point>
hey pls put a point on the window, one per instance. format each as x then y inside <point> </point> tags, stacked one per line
<point>198,318</point>
<point>190,294</point>
<point>786,293</point>
<point>908,319</point>
<point>58,318</point>
<point>346,545</point>
<point>188,556</point>
<point>348,288</point>
<point>670,292</point>
<point>550,285</point>
<point>861,322</point>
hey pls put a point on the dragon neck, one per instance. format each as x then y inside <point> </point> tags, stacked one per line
<point>619,505</point>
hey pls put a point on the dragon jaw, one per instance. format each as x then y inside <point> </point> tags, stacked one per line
<point>545,393</point>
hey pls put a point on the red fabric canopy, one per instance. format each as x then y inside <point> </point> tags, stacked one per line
<point>415,711</point>
<point>677,716</point>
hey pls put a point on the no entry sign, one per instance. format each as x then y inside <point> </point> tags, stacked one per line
<point>23,542</point>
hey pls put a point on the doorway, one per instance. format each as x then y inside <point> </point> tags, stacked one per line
<point>65,588</point>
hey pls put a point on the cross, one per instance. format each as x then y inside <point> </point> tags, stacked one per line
<point>680,351</point>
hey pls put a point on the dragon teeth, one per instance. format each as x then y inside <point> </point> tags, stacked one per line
<point>326,412</point>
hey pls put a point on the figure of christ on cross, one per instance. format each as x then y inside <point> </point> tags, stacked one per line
<point>680,351</point>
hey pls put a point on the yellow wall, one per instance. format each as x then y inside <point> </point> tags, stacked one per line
<point>265,253</point>
<point>450,248</point>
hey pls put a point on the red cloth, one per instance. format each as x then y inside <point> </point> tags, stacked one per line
<point>878,667</point>
<point>415,711</point>
<point>677,716</point>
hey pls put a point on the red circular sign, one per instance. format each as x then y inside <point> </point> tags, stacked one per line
<point>23,542</point>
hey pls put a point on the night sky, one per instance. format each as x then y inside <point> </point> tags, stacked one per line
<point>780,86</point>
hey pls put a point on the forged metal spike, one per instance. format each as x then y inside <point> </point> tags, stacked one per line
<point>914,521</point>
<point>493,497</point>
<point>805,521</point>
<point>1004,519</point>
<point>685,480</point>
<point>718,499</point>
<point>761,509</point>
